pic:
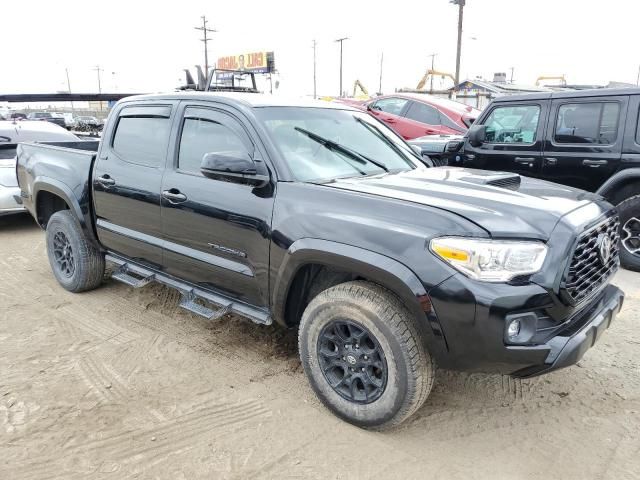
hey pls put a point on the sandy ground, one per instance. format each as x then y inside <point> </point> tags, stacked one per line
<point>120,383</point>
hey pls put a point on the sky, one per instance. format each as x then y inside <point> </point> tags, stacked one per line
<point>143,46</point>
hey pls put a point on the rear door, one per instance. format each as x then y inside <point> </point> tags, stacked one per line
<point>421,119</point>
<point>584,140</point>
<point>514,139</point>
<point>216,232</point>
<point>127,177</point>
<point>390,111</point>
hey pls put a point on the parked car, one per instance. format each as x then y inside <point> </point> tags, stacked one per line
<point>89,121</point>
<point>318,217</point>
<point>69,120</point>
<point>17,116</point>
<point>587,139</point>
<point>10,134</point>
<point>417,115</point>
<point>46,117</point>
<point>433,148</point>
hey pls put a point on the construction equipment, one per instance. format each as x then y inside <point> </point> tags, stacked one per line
<point>433,73</point>
<point>562,79</point>
<point>358,84</point>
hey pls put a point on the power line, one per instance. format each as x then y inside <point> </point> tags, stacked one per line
<point>205,40</point>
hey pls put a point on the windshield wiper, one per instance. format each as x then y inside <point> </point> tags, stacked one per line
<point>381,135</point>
<point>331,145</point>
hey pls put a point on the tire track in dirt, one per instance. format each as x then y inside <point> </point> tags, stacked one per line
<point>102,380</point>
<point>96,325</point>
<point>142,448</point>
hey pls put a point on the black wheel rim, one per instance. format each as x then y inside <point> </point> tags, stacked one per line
<point>63,254</point>
<point>352,361</point>
<point>630,237</point>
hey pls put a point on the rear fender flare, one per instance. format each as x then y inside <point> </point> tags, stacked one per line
<point>614,183</point>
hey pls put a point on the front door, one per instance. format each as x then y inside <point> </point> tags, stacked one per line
<point>389,110</point>
<point>421,119</point>
<point>513,140</point>
<point>126,182</point>
<point>584,140</point>
<point>216,233</point>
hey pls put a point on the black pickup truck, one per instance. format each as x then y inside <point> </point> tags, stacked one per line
<point>588,139</point>
<point>319,217</point>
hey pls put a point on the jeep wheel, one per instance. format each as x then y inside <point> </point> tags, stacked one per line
<point>77,264</point>
<point>363,355</point>
<point>629,211</point>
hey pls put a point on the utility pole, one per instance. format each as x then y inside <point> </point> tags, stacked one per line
<point>314,69</point>
<point>341,40</point>
<point>66,70</point>
<point>380,84</point>
<point>511,81</point>
<point>460,4</point>
<point>205,39</point>
<point>638,77</point>
<point>98,69</point>
<point>433,56</point>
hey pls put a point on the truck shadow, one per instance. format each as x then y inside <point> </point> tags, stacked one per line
<point>18,223</point>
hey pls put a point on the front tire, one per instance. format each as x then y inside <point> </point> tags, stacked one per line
<point>363,355</point>
<point>76,263</point>
<point>629,211</point>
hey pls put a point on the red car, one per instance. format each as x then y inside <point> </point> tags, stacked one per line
<point>417,115</point>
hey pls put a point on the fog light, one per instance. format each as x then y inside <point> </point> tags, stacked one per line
<point>514,329</point>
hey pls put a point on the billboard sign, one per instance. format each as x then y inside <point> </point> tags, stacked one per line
<point>256,62</point>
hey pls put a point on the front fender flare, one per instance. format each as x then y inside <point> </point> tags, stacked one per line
<point>373,266</point>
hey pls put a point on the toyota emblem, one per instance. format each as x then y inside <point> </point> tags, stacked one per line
<point>604,248</point>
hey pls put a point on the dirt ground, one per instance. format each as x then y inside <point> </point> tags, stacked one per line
<point>121,383</point>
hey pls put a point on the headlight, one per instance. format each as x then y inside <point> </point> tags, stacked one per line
<point>490,260</point>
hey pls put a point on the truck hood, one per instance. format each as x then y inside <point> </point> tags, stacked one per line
<point>504,204</point>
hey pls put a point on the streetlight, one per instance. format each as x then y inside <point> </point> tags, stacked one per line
<point>341,40</point>
<point>460,4</point>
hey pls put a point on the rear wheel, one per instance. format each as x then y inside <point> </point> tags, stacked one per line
<point>76,263</point>
<point>629,211</point>
<point>363,355</point>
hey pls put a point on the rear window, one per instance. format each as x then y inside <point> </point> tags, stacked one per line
<point>595,122</point>
<point>142,139</point>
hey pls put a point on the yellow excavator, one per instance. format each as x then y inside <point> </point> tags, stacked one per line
<point>433,73</point>
<point>563,80</point>
<point>358,84</point>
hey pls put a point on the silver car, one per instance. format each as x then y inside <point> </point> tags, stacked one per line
<point>12,133</point>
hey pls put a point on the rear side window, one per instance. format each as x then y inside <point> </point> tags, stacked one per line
<point>595,122</point>
<point>390,105</point>
<point>423,113</point>
<point>201,136</point>
<point>512,124</point>
<point>142,139</point>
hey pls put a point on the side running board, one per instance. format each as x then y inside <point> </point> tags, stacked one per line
<point>138,276</point>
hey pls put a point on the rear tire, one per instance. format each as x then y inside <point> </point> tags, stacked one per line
<point>76,263</point>
<point>363,355</point>
<point>629,211</point>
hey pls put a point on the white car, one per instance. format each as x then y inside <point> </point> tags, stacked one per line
<point>12,133</point>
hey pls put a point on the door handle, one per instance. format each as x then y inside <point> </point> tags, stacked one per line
<point>174,196</point>
<point>525,159</point>
<point>551,161</point>
<point>390,120</point>
<point>594,163</point>
<point>106,181</point>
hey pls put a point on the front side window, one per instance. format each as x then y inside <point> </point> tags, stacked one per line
<point>390,105</point>
<point>201,136</point>
<point>512,124</point>
<point>423,113</point>
<point>142,140</point>
<point>322,144</point>
<point>595,122</point>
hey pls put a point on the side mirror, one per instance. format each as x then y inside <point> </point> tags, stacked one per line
<point>476,135</point>
<point>417,150</point>
<point>232,168</point>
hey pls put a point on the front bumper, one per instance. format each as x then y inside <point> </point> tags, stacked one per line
<point>10,201</point>
<point>474,315</point>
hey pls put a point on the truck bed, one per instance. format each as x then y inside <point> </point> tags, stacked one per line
<point>61,168</point>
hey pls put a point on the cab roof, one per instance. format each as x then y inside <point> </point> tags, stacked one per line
<point>595,92</point>
<point>251,100</point>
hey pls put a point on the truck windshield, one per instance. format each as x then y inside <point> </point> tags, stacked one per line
<point>322,144</point>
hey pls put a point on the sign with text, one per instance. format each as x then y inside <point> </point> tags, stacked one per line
<point>256,62</point>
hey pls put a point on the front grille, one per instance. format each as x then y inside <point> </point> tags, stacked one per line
<point>593,263</point>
